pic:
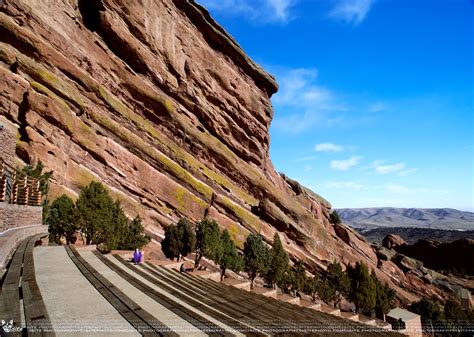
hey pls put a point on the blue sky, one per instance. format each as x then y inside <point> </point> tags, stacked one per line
<point>375,102</point>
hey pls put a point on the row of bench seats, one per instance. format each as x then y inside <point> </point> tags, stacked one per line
<point>20,297</point>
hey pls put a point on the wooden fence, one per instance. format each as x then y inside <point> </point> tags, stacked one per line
<point>18,188</point>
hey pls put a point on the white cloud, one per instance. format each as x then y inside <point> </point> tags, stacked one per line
<point>377,107</point>
<point>351,11</point>
<point>395,188</point>
<point>344,185</point>
<point>306,158</point>
<point>302,103</point>
<point>344,165</point>
<point>255,10</point>
<point>407,172</point>
<point>328,147</point>
<point>385,169</point>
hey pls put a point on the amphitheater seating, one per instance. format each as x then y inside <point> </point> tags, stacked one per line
<point>207,306</point>
<point>20,295</point>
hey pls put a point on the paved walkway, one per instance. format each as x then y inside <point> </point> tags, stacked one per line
<point>75,307</point>
<point>170,319</point>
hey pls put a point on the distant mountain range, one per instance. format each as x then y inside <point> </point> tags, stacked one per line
<point>436,218</point>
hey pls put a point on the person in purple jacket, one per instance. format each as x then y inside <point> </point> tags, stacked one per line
<point>137,256</point>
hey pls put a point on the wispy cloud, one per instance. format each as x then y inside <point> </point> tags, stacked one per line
<point>351,11</point>
<point>344,185</point>
<point>395,188</point>
<point>302,102</point>
<point>344,165</point>
<point>305,158</point>
<point>385,169</point>
<point>377,107</point>
<point>256,10</point>
<point>328,147</point>
<point>407,172</point>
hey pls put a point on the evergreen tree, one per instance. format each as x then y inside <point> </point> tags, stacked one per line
<point>384,297</point>
<point>207,241</point>
<point>312,286</point>
<point>37,172</point>
<point>326,290</point>
<point>134,236</point>
<point>187,237</point>
<point>299,277</point>
<point>256,256</point>
<point>171,245</point>
<point>363,292</point>
<point>43,178</point>
<point>431,314</point>
<point>229,258</point>
<point>339,281</point>
<point>101,219</point>
<point>279,262</point>
<point>453,311</point>
<point>62,220</point>
<point>334,217</point>
<point>286,281</point>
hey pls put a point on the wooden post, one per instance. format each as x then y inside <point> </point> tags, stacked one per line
<point>14,188</point>
<point>2,181</point>
<point>27,189</point>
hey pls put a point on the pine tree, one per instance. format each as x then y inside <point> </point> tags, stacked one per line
<point>171,245</point>
<point>187,237</point>
<point>96,212</point>
<point>363,292</point>
<point>339,281</point>
<point>312,286</point>
<point>279,262</point>
<point>256,256</point>
<point>229,258</point>
<point>207,241</point>
<point>384,297</point>
<point>134,236</point>
<point>334,217</point>
<point>299,277</point>
<point>62,220</point>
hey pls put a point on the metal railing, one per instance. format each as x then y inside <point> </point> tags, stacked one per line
<point>17,187</point>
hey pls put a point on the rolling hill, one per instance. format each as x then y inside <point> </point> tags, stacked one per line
<point>434,218</point>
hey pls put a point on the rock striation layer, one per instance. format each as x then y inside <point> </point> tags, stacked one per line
<point>158,102</point>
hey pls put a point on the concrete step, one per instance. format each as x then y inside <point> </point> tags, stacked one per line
<point>367,320</point>
<point>209,275</point>
<point>330,310</point>
<point>265,291</point>
<point>383,324</point>
<point>350,315</point>
<point>311,305</point>
<point>289,299</point>
<point>245,285</point>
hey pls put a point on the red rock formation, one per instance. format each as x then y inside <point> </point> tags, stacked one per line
<point>158,102</point>
<point>392,240</point>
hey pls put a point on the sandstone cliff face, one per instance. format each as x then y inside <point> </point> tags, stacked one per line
<point>158,102</point>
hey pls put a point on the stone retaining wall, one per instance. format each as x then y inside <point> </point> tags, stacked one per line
<point>12,216</point>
